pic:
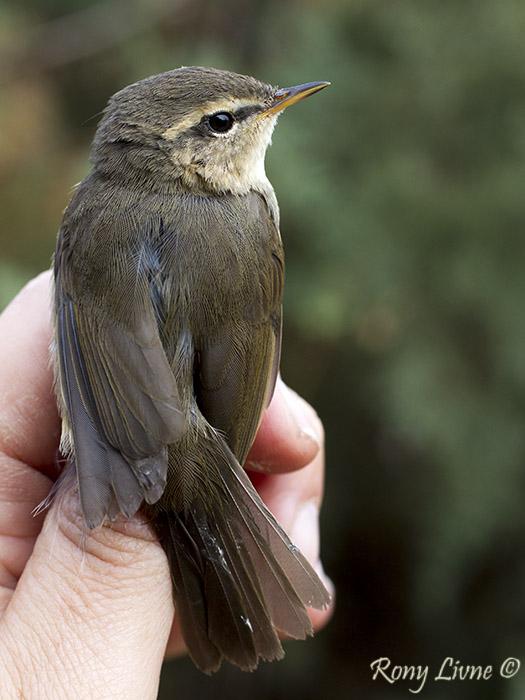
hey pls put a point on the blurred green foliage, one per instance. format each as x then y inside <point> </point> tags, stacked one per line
<point>401,190</point>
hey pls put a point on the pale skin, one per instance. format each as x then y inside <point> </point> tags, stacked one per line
<point>91,614</point>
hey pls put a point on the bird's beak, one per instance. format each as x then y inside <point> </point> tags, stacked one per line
<point>284,97</point>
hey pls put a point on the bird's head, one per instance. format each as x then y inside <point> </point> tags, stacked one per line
<point>207,128</point>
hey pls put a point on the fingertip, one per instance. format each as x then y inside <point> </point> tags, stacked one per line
<point>34,297</point>
<point>290,435</point>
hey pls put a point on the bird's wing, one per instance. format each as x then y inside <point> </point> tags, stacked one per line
<point>120,396</point>
<point>238,370</point>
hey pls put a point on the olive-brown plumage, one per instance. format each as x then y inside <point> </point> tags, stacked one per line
<point>168,288</point>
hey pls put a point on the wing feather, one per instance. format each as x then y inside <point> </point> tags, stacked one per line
<point>120,395</point>
<point>239,367</point>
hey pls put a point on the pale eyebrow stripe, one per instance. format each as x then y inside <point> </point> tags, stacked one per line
<point>195,117</point>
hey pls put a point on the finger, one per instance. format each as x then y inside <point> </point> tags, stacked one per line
<point>96,607</point>
<point>29,424</point>
<point>289,436</point>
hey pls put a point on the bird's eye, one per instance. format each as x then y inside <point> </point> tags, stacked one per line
<point>221,122</point>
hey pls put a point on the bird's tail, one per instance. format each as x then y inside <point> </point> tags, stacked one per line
<point>238,580</point>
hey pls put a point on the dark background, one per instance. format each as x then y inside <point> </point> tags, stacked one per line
<point>401,190</point>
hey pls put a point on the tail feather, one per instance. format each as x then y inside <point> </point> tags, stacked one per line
<point>237,578</point>
<point>303,578</point>
<point>285,607</point>
<point>265,639</point>
<point>186,572</point>
<point>229,626</point>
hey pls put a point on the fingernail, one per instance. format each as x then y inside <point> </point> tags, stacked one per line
<point>302,415</point>
<point>259,466</point>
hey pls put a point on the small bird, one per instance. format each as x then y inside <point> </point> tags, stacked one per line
<point>168,289</point>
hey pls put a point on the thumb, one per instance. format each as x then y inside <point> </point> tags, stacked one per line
<point>92,610</point>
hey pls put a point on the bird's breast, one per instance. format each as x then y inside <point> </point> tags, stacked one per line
<point>218,259</point>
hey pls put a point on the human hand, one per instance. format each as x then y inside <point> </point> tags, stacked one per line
<point>90,613</point>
